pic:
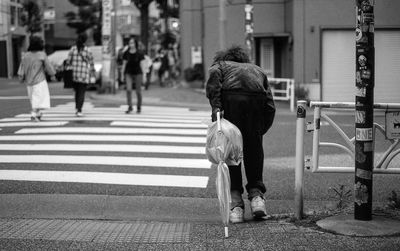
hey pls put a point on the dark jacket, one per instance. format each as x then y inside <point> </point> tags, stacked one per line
<point>233,76</point>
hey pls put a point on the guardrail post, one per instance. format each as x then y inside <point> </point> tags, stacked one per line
<point>299,165</point>
<point>292,94</point>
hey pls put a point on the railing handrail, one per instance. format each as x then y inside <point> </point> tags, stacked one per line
<point>349,105</point>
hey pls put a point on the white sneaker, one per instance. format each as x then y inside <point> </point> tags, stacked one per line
<point>236,215</point>
<point>79,114</point>
<point>257,206</point>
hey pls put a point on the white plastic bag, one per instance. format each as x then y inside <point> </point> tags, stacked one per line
<point>225,145</point>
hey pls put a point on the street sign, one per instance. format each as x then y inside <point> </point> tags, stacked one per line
<point>106,28</point>
<point>392,124</point>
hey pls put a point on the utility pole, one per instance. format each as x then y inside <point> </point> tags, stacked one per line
<point>249,27</point>
<point>107,42</point>
<point>222,24</point>
<point>364,112</point>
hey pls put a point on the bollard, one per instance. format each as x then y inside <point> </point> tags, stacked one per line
<point>299,165</point>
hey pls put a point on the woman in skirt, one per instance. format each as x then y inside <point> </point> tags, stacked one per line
<point>32,72</point>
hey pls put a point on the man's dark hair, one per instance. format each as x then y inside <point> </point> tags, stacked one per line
<point>80,41</point>
<point>235,53</point>
<point>35,43</point>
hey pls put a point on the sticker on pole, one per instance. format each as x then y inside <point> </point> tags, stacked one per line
<point>392,124</point>
<point>364,134</point>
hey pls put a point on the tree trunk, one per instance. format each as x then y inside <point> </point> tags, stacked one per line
<point>144,26</point>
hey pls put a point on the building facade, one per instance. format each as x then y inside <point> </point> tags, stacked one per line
<point>13,37</point>
<point>312,41</point>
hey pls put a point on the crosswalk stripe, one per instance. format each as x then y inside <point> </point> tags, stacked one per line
<point>26,97</point>
<point>105,117</point>
<point>182,115</point>
<point>106,178</point>
<point>105,148</point>
<point>42,123</point>
<point>10,122</point>
<point>108,160</point>
<point>105,138</point>
<point>115,130</point>
<point>176,125</point>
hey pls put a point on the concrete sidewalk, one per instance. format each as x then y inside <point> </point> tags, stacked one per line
<point>102,222</point>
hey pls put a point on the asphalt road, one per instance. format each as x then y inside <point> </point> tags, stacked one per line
<point>279,148</point>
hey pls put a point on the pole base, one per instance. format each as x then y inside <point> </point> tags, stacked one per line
<point>347,225</point>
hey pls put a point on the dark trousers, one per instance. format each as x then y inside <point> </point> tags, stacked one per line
<point>248,111</point>
<point>80,89</point>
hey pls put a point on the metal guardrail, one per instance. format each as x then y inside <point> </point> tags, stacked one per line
<point>382,164</point>
<point>283,89</point>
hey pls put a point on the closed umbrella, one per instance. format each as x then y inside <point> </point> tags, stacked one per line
<point>224,146</point>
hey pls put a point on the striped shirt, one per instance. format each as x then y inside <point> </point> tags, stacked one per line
<point>81,63</point>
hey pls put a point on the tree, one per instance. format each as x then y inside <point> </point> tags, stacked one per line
<point>143,6</point>
<point>31,16</point>
<point>168,9</point>
<point>88,17</point>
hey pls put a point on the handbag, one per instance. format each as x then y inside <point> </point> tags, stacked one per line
<point>67,77</point>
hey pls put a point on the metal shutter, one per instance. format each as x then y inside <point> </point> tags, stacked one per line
<point>338,66</point>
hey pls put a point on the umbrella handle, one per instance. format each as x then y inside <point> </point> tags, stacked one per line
<point>219,121</point>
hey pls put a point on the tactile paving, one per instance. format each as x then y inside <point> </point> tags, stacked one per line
<point>94,231</point>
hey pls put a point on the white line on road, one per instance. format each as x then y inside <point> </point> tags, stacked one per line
<point>133,123</point>
<point>26,97</point>
<point>106,178</point>
<point>107,160</point>
<point>105,148</point>
<point>106,117</point>
<point>113,130</point>
<point>105,138</point>
<point>26,123</point>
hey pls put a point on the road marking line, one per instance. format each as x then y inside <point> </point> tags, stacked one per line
<point>26,97</point>
<point>42,123</point>
<point>115,130</point>
<point>105,148</point>
<point>105,117</point>
<point>107,160</point>
<point>105,138</point>
<point>133,123</point>
<point>131,179</point>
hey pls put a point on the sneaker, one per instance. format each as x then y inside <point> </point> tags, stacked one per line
<point>257,206</point>
<point>35,119</point>
<point>79,114</point>
<point>236,215</point>
<point>138,111</point>
<point>129,110</point>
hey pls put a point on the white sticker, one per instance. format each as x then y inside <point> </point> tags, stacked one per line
<point>364,134</point>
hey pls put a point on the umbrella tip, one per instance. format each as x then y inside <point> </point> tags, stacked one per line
<point>226,232</point>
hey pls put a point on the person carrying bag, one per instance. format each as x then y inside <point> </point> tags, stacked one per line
<point>80,60</point>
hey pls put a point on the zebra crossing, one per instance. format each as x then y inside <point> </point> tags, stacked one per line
<point>159,140</point>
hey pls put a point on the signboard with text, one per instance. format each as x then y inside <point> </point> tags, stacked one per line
<point>392,124</point>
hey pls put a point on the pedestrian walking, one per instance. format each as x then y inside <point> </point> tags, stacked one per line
<point>240,91</point>
<point>80,59</point>
<point>32,71</point>
<point>133,74</point>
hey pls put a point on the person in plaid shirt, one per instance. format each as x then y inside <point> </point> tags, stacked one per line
<point>80,59</point>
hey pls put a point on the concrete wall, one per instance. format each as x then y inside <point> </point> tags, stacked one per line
<point>302,20</point>
<point>311,17</point>
<point>191,29</point>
